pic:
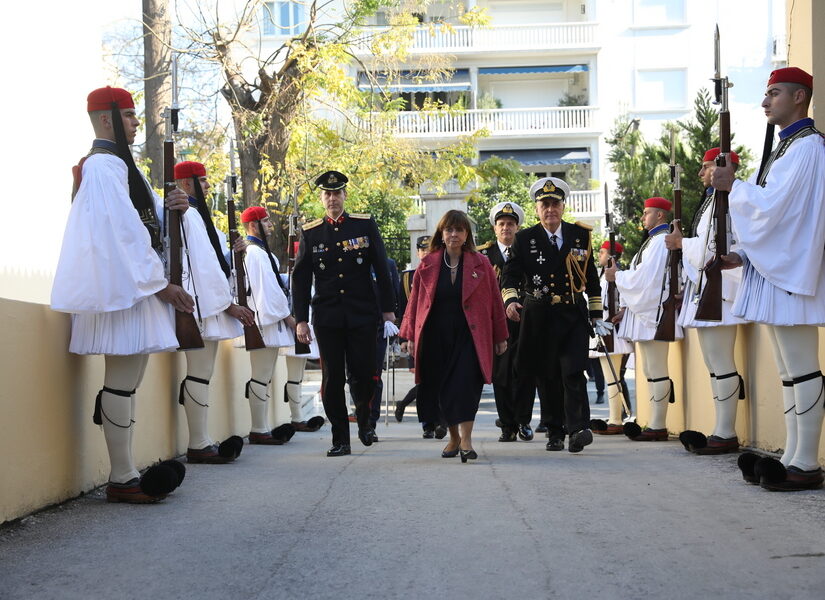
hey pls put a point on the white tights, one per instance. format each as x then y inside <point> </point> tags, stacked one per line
<point>654,361</point>
<point>199,364</point>
<point>124,374</point>
<point>613,387</point>
<point>295,374</point>
<point>717,345</point>
<point>796,349</point>
<point>263,368</point>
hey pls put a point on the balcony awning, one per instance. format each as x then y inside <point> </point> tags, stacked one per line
<point>417,81</point>
<point>547,157</point>
<point>538,69</point>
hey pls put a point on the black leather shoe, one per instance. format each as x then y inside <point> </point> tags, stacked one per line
<point>467,455</point>
<point>339,450</point>
<point>524,432</point>
<point>373,435</point>
<point>542,428</point>
<point>365,435</point>
<point>428,434</point>
<point>579,440</point>
<point>499,424</point>
<point>599,398</point>
<point>555,444</point>
<point>507,435</point>
<point>440,432</point>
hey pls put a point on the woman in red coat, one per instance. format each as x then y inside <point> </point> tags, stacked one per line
<point>453,323</point>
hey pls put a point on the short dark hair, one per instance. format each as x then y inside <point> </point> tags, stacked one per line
<point>793,87</point>
<point>457,219</point>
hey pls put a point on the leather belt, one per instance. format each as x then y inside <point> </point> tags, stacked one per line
<point>551,299</point>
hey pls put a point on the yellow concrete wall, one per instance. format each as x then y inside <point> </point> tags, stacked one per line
<point>806,47</point>
<point>51,450</point>
<point>759,422</point>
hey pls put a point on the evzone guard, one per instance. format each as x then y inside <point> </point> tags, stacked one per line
<point>717,339</point>
<point>110,278</point>
<point>778,219</point>
<point>641,289</point>
<point>208,280</point>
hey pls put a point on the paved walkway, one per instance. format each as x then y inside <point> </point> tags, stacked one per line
<point>619,520</point>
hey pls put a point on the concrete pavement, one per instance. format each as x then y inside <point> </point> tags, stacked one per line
<point>619,520</point>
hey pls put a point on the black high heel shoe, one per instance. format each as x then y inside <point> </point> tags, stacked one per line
<point>467,455</point>
<point>451,453</point>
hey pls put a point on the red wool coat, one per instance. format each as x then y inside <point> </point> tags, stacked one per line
<point>480,296</point>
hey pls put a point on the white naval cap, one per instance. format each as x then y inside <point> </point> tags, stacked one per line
<point>549,188</point>
<point>506,209</point>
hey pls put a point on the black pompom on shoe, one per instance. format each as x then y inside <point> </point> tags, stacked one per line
<point>632,430</point>
<point>178,467</point>
<point>693,440</point>
<point>315,423</point>
<point>228,449</point>
<point>283,432</point>
<point>238,442</point>
<point>746,462</point>
<point>159,480</point>
<point>598,425</point>
<point>769,470</point>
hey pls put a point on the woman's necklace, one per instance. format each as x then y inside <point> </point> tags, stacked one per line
<point>447,262</point>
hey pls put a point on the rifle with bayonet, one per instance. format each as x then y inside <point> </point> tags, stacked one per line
<point>710,284</point>
<point>666,327</point>
<point>253,340</point>
<point>612,293</point>
<point>186,327</point>
<point>292,252</point>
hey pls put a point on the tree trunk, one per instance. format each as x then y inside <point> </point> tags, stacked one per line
<point>157,40</point>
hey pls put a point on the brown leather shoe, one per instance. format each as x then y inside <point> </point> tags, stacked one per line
<point>207,456</point>
<point>265,439</point>
<point>611,430</point>
<point>129,492</point>
<point>796,480</point>
<point>718,445</point>
<point>651,435</point>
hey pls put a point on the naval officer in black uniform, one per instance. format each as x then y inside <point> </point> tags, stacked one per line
<point>554,260</point>
<point>337,251</point>
<point>514,391</point>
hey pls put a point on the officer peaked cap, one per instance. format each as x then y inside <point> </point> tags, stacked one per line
<point>550,189</point>
<point>332,180</point>
<point>506,209</point>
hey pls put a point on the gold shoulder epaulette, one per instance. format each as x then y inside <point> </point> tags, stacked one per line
<point>485,246</point>
<point>584,225</point>
<point>360,215</point>
<point>312,224</point>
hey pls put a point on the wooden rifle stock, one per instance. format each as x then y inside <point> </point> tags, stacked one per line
<point>666,328</point>
<point>186,327</point>
<point>253,340</point>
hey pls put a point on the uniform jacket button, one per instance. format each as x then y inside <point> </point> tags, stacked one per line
<point>340,259</point>
<point>342,291</point>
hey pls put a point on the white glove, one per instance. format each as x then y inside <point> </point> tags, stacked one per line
<point>390,329</point>
<point>602,328</point>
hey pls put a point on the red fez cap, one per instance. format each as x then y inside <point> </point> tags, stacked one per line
<point>791,75</point>
<point>616,245</point>
<point>102,98</point>
<point>253,213</point>
<point>711,155</point>
<point>662,203</point>
<point>189,168</point>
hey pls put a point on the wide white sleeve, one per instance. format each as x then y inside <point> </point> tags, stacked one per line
<point>267,297</point>
<point>203,277</point>
<point>641,288</point>
<point>781,227</point>
<point>106,262</point>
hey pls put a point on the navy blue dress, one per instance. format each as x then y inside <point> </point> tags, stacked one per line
<point>450,373</point>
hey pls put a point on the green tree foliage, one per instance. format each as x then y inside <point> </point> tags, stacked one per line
<point>642,168</point>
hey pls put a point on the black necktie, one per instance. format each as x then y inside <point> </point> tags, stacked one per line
<point>554,245</point>
<point>507,254</point>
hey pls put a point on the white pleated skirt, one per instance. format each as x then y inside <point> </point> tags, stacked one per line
<point>762,302</point>
<point>146,327</point>
<point>633,329</point>
<point>687,315</point>
<point>221,327</point>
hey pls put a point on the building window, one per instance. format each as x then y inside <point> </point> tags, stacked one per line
<point>283,18</point>
<point>661,89</point>
<point>658,12</point>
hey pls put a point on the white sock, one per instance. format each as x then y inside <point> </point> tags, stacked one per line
<point>116,413</point>
<point>789,406</point>
<point>613,388</point>
<point>196,406</point>
<point>258,405</point>
<point>808,413</point>
<point>726,393</point>
<point>659,402</point>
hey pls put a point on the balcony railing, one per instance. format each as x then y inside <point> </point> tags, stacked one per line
<point>541,36</point>
<point>586,203</point>
<point>497,121</point>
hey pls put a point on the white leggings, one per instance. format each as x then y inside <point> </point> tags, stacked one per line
<point>195,393</point>
<point>654,361</point>
<point>263,369</point>
<point>122,375</point>
<point>717,345</point>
